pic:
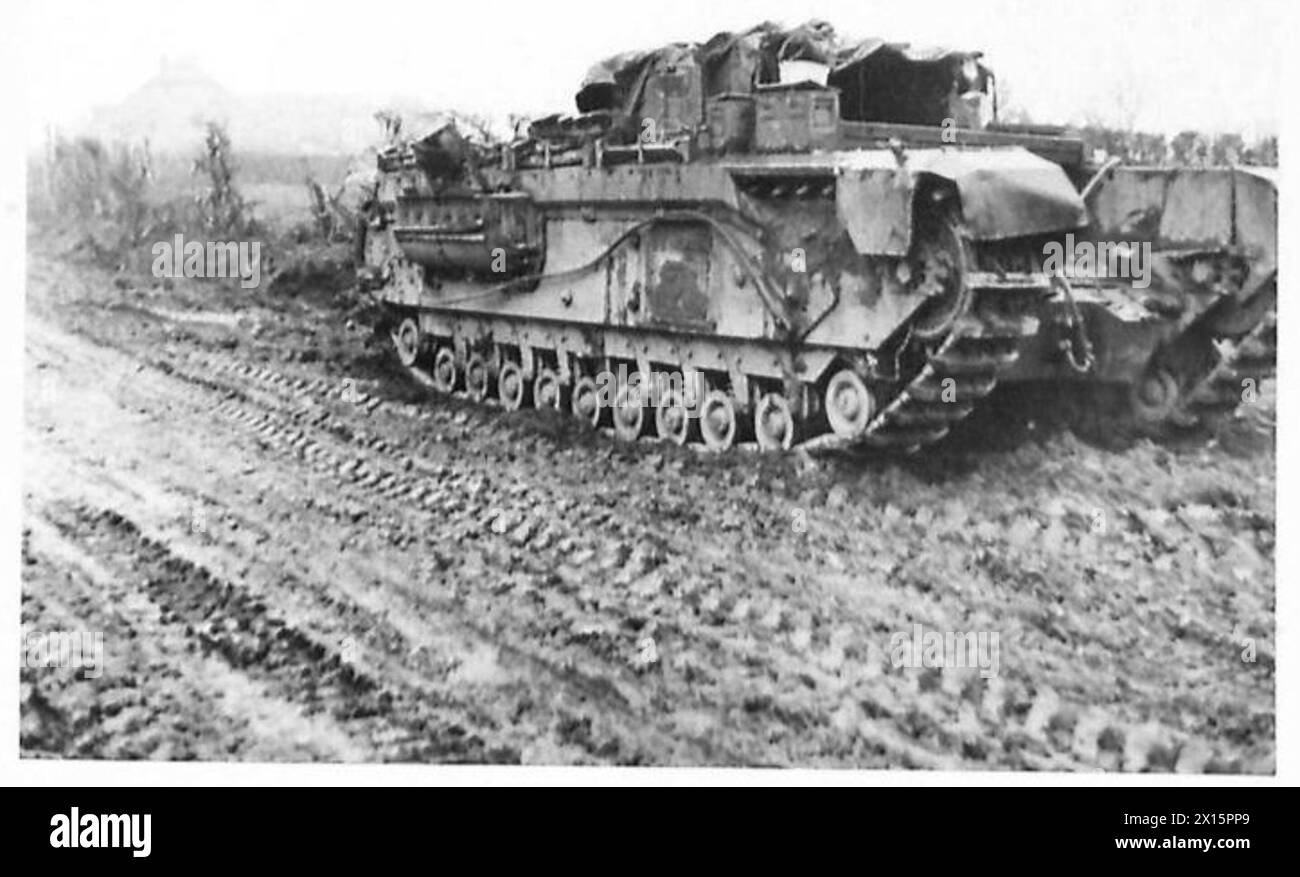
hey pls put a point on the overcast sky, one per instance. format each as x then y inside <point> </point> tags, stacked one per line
<point>1206,64</point>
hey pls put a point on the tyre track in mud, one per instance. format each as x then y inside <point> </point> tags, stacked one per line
<point>670,590</point>
<point>221,620</point>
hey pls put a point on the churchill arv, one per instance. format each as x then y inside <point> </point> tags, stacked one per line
<point>654,229</point>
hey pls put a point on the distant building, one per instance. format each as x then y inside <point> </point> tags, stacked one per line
<point>171,109</point>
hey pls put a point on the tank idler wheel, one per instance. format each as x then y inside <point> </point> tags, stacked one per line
<point>445,371</point>
<point>672,419</point>
<point>1154,398</point>
<point>478,379</point>
<point>629,413</point>
<point>774,423</point>
<point>548,392</point>
<point>586,401</point>
<point>512,389</point>
<point>718,420</point>
<point>407,341</point>
<point>849,405</point>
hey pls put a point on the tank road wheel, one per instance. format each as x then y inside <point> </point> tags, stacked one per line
<point>511,386</point>
<point>1154,398</point>
<point>548,392</point>
<point>586,400</point>
<point>629,413</point>
<point>849,406</point>
<point>672,420</point>
<point>407,341</point>
<point>718,420</point>
<point>774,423</point>
<point>477,378</point>
<point>445,372</point>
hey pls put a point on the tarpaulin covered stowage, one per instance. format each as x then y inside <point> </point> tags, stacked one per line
<point>609,83</point>
<point>878,80</point>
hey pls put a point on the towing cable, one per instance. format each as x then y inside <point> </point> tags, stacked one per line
<point>1077,340</point>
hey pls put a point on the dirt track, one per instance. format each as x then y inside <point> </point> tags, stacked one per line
<point>294,553</point>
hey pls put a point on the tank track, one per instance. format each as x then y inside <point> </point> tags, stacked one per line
<point>1252,357</point>
<point>961,371</point>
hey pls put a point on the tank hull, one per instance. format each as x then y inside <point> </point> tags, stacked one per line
<point>857,269</point>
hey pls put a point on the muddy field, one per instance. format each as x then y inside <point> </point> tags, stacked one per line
<point>295,552</point>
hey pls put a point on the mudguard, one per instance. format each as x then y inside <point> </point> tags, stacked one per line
<point>1005,193</point>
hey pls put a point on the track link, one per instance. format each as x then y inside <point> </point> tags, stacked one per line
<point>1250,358</point>
<point>964,368</point>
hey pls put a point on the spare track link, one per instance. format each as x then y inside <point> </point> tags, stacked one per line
<point>964,368</point>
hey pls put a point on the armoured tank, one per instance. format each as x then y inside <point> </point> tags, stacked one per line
<point>783,237</point>
<point>1193,336</point>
